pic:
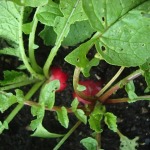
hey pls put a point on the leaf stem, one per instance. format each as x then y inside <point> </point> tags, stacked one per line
<point>67,135</point>
<point>16,85</point>
<point>22,51</point>
<point>20,105</point>
<point>50,59</point>
<point>110,82</point>
<point>98,139</point>
<point>34,64</point>
<point>121,100</point>
<point>120,84</point>
<point>75,84</point>
<point>55,108</point>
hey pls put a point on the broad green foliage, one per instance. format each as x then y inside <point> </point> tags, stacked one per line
<point>118,29</point>
<point>124,38</point>
<point>72,12</point>
<point>79,31</point>
<point>9,23</point>
<point>127,144</point>
<point>107,13</point>
<point>47,14</point>
<point>111,121</point>
<point>63,117</point>
<point>47,95</point>
<point>89,143</point>
<point>33,3</point>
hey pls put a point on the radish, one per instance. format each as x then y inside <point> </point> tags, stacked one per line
<point>92,88</point>
<point>58,74</point>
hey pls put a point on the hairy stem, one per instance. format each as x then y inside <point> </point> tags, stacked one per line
<point>22,50</point>
<point>31,44</point>
<point>20,105</point>
<point>67,135</point>
<point>120,84</point>
<point>110,82</point>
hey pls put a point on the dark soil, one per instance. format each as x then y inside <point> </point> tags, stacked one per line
<point>133,119</point>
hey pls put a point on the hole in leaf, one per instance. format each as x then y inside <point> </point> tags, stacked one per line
<point>103,48</point>
<point>103,18</point>
<point>121,49</point>
<point>143,44</point>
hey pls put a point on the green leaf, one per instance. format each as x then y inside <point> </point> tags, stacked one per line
<point>9,23</point>
<point>42,132</point>
<point>78,57</point>
<point>79,113</point>
<point>27,27</point>
<point>93,62</point>
<point>102,14</point>
<point>12,77</point>
<point>127,144</point>
<point>73,13</point>
<point>119,42</point>
<point>39,112</point>
<point>20,96</point>
<point>130,89</point>
<point>47,14</point>
<point>32,3</point>
<point>27,13</point>
<point>48,35</point>
<point>96,117</point>
<point>11,51</point>
<point>4,125</point>
<point>81,87</point>
<point>6,100</point>
<point>146,68</point>
<point>111,121</point>
<point>74,104</point>
<point>63,117</point>
<point>89,143</point>
<point>79,32</point>
<point>47,94</point>
<point>125,40</point>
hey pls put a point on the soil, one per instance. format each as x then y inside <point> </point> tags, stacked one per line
<point>133,119</point>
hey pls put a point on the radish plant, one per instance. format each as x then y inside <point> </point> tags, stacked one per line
<point>119,32</point>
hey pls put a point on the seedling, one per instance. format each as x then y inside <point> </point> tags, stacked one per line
<point>119,32</point>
